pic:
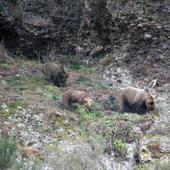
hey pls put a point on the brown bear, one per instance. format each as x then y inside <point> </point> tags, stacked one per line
<point>74,96</point>
<point>137,100</point>
<point>55,73</point>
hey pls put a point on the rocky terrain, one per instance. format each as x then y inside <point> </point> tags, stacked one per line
<point>48,137</point>
<point>105,45</point>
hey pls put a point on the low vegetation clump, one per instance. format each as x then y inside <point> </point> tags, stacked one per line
<point>120,147</point>
<point>26,81</point>
<point>115,132</point>
<point>51,92</point>
<point>11,108</point>
<point>86,115</point>
<point>6,66</point>
<point>92,82</point>
<point>7,153</point>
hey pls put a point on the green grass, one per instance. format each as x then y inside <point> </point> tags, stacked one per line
<point>26,81</point>
<point>120,147</point>
<point>67,128</point>
<point>11,108</point>
<point>87,115</point>
<point>5,66</point>
<point>82,79</point>
<point>94,82</point>
<point>83,67</point>
<point>77,64</point>
<point>7,153</point>
<point>114,132</point>
<point>51,92</point>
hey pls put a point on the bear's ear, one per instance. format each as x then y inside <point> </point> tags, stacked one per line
<point>146,90</point>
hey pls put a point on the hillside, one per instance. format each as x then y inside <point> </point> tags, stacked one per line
<point>105,45</point>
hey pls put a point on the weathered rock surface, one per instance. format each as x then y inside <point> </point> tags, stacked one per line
<point>132,31</point>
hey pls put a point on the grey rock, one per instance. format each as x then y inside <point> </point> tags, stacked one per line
<point>72,156</point>
<point>147,36</point>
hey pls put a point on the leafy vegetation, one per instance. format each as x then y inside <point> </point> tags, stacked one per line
<point>92,82</point>
<point>112,131</point>
<point>7,153</point>
<point>51,92</point>
<point>120,147</point>
<point>115,132</point>
<point>87,115</point>
<point>5,66</point>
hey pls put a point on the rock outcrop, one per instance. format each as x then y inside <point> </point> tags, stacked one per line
<point>131,31</point>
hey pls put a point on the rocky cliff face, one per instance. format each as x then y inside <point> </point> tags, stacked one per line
<point>129,30</point>
<point>38,24</point>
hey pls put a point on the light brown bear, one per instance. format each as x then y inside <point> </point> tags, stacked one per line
<point>55,73</point>
<point>137,100</point>
<point>74,96</point>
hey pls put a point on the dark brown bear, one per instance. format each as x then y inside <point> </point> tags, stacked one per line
<point>55,73</point>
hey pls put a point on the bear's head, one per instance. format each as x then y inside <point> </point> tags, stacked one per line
<point>150,102</point>
<point>87,101</point>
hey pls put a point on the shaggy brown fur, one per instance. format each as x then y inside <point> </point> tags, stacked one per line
<point>55,73</point>
<point>137,100</point>
<point>74,96</point>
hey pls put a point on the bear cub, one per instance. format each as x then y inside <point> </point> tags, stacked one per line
<point>55,73</point>
<point>74,96</point>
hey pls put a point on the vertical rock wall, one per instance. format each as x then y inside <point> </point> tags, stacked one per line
<point>131,31</point>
